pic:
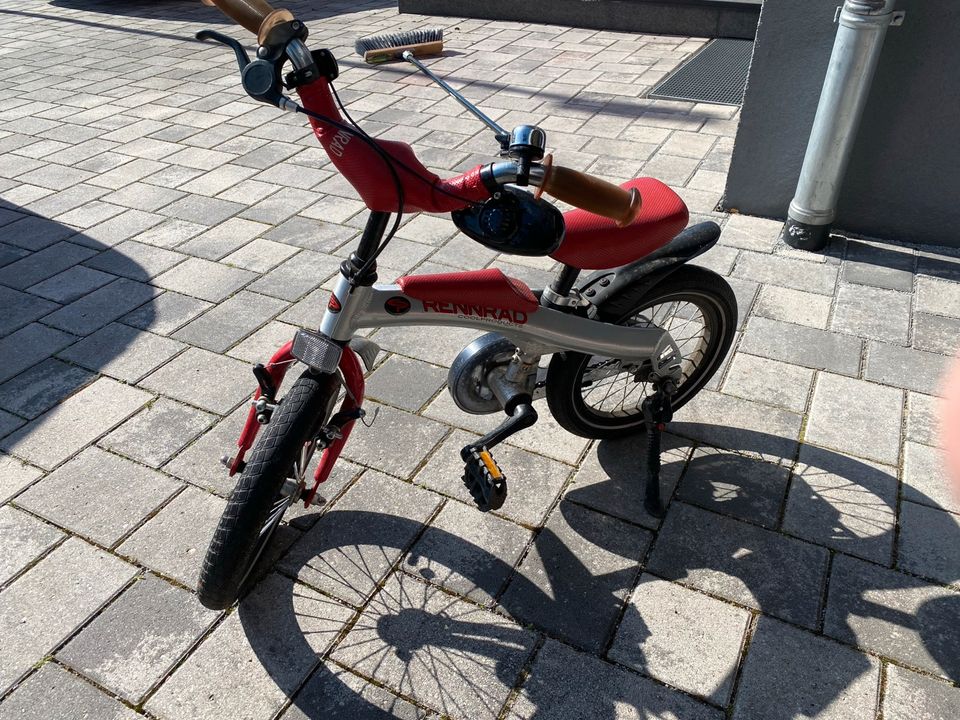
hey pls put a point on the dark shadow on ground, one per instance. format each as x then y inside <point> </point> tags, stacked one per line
<point>58,286</point>
<point>438,648</point>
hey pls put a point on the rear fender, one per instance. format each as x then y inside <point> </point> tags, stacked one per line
<point>655,267</point>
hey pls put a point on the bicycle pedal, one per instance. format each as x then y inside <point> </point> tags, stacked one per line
<point>484,479</point>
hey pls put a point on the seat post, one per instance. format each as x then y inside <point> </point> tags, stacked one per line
<point>559,290</point>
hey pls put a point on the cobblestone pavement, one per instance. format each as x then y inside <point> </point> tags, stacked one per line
<point>160,232</point>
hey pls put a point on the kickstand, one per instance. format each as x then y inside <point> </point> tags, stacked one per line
<point>657,412</point>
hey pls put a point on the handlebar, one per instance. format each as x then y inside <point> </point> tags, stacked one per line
<point>592,194</point>
<point>248,13</point>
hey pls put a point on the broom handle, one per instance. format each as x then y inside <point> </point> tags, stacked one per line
<point>501,133</point>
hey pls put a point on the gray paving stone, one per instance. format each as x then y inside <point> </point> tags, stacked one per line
<point>787,272</point>
<point>53,692</point>
<point>143,196</point>
<point>9,254</point>
<point>872,313</point>
<point>14,476</point>
<point>204,279</point>
<point>34,233</point>
<point>24,538</point>
<point>743,231</point>
<point>48,602</point>
<point>791,673</point>
<point>78,421</point>
<point>295,277</point>
<point>377,447</point>
<point>804,346</point>
<point>174,541</point>
<point>925,477</point>
<point>311,234</point>
<point>200,209</point>
<point>74,495</point>
<point>260,255</point>
<point>261,345</point>
<point>934,296</point>
<point>928,544</point>
<point>923,418</point>
<point>468,552</point>
<point>858,417</point>
<point>223,239</point>
<point>905,368</point>
<point>231,320</point>
<point>335,692</point>
<point>878,265</point>
<point>122,352</point>
<point>734,484</point>
<point>936,334</point>
<point>894,615</point>
<point>793,306</point>
<point>611,478</point>
<point>577,575</point>
<point>208,381</point>
<point>534,481</point>
<point>199,463</point>
<point>170,233</point>
<point>769,381</point>
<point>21,309</point>
<point>41,387</point>
<point>135,260</point>
<point>139,638</point>
<point>681,637</point>
<point>566,684</point>
<point>256,658</point>
<point>442,349</point>
<point>157,432</point>
<point>912,696</point>
<point>103,306</point>
<point>28,346</point>
<point>42,264</point>
<point>166,313</point>
<point>405,383</point>
<point>845,504</point>
<point>743,563</point>
<point>71,284</point>
<point>741,425</point>
<point>447,654</point>
<point>353,545</point>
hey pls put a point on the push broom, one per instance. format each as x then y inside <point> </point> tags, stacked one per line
<point>391,46</point>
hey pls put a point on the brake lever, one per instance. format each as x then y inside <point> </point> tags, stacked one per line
<point>242,58</point>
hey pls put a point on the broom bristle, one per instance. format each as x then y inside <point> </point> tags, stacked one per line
<point>398,39</point>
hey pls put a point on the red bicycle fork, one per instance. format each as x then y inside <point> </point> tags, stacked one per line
<point>277,368</point>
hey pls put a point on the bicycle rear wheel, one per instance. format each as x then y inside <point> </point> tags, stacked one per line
<point>601,398</point>
<point>262,495</point>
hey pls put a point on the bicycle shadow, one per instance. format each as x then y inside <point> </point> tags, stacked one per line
<point>462,660</point>
<point>51,276</point>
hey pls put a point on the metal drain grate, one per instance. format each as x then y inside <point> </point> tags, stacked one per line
<point>716,74</point>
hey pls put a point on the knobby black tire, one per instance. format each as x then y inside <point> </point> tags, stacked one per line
<point>233,548</point>
<point>564,377</point>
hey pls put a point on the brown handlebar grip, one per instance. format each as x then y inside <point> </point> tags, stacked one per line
<point>593,194</point>
<point>248,13</point>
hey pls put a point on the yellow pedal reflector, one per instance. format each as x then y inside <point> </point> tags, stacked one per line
<point>492,468</point>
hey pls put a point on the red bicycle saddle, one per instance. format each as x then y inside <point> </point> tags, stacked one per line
<point>593,242</point>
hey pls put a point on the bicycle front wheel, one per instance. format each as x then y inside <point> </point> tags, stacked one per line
<point>262,494</point>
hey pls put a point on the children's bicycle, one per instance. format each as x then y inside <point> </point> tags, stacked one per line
<point>614,353</point>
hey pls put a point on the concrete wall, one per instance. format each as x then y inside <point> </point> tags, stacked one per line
<point>702,18</point>
<point>904,177</point>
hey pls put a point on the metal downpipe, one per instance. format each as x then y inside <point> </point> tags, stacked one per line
<point>856,51</point>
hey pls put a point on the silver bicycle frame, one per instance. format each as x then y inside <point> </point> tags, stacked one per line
<point>540,332</point>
